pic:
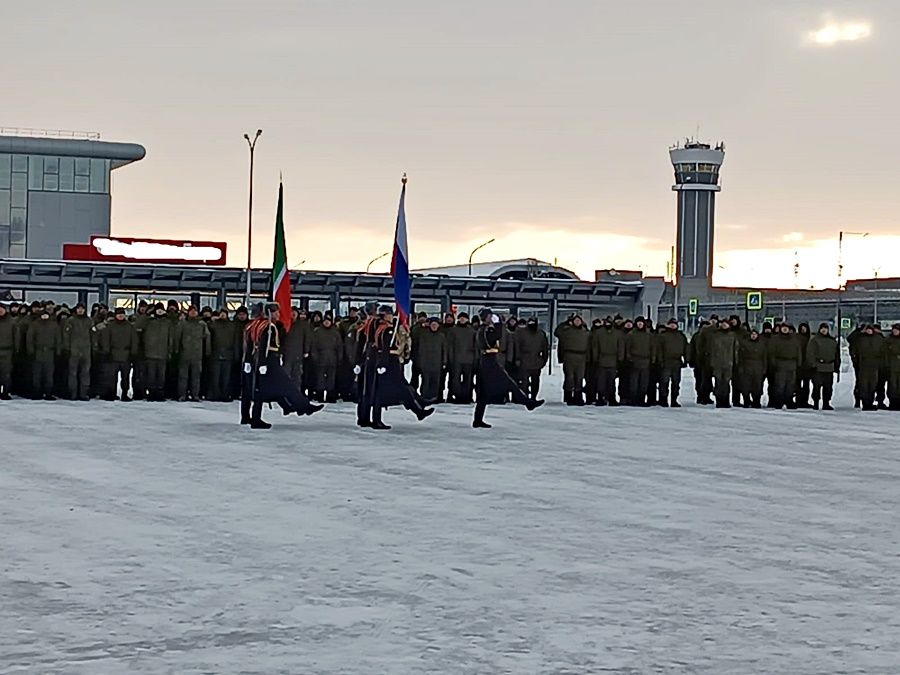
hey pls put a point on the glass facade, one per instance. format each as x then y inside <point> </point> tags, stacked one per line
<point>23,174</point>
<point>705,174</point>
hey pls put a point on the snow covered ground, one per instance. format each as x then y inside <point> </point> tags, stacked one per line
<point>164,538</point>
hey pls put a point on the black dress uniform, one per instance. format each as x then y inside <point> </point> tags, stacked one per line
<point>495,386</point>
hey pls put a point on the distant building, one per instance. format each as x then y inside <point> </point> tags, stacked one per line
<point>56,190</point>
<point>528,268</point>
<point>696,182</point>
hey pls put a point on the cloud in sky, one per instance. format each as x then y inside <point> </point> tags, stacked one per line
<point>834,32</point>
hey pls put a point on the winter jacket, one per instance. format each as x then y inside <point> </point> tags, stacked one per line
<point>192,339</point>
<point>672,346</point>
<point>532,348</point>
<point>607,347</point>
<point>722,350</point>
<point>44,337</point>
<point>823,354</point>
<point>159,339</point>
<point>78,335</point>
<point>784,352</point>
<point>223,340</point>
<point>119,341</point>
<point>326,346</point>
<point>433,351</point>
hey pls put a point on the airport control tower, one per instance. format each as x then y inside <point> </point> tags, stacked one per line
<point>696,182</point>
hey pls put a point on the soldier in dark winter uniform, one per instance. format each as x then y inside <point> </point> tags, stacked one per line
<point>391,351</point>
<point>241,319</point>
<point>804,372</point>
<point>607,352</point>
<point>572,348</point>
<point>892,366</point>
<point>297,345</point>
<point>119,343</point>
<point>591,396</point>
<point>508,346</point>
<point>494,383</point>
<point>159,342</point>
<point>433,358</point>
<point>823,359</point>
<point>751,369</point>
<point>326,350</point>
<point>700,360</point>
<point>78,336</point>
<point>461,343</point>
<point>419,327</point>
<point>365,364</point>
<point>346,386</point>
<point>139,381</point>
<point>784,358</point>
<point>192,344</point>
<point>223,342</point>
<point>722,349</point>
<point>672,348</point>
<point>870,354</point>
<point>639,354</point>
<point>264,375</point>
<point>532,351</point>
<point>44,344</point>
<point>7,350</point>
<point>852,340</point>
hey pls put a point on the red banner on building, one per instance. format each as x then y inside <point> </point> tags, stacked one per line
<point>155,251</point>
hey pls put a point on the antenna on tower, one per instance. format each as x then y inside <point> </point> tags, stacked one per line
<point>796,269</point>
<point>697,137</point>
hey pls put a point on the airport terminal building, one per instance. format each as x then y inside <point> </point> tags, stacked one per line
<point>56,190</point>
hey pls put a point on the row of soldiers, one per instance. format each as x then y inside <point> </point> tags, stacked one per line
<point>166,352</point>
<point>620,361</point>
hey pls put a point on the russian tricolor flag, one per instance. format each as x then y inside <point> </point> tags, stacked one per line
<point>400,263</point>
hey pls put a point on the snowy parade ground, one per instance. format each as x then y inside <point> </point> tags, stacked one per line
<point>165,538</point>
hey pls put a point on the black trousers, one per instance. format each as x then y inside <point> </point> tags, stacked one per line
<point>530,381</point>
<point>722,386</point>
<point>189,373</point>
<point>42,374</point>
<point>461,378</point>
<point>79,379</point>
<point>574,369</point>
<point>294,369</point>
<point>431,384</point>
<point>6,371</point>
<point>118,372</point>
<point>823,387</point>
<point>640,381</point>
<point>783,383</point>
<point>606,385</point>
<point>251,406</point>
<point>139,379</point>
<point>365,393</point>
<point>155,370</point>
<point>751,386</point>
<point>518,397</point>
<point>894,389</point>
<point>669,379</point>
<point>326,378</point>
<point>219,380</point>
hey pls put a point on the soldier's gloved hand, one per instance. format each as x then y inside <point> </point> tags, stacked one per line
<point>382,371</point>
<point>248,368</point>
<point>263,370</point>
<point>357,370</point>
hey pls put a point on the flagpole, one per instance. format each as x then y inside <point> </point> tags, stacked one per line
<point>397,312</point>
<point>252,145</point>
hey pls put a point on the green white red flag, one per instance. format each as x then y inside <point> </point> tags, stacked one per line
<point>281,277</point>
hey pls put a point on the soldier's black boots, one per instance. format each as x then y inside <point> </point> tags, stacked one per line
<point>532,405</point>
<point>424,413</point>
<point>380,426</point>
<point>480,425</point>
<point>259,424</point>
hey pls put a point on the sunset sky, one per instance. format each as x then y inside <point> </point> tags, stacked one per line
<point>544,125</point>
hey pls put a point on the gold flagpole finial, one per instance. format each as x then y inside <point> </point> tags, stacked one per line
<point>403,180</point>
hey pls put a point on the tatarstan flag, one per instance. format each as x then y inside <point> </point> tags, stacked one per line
<point>281,277</point>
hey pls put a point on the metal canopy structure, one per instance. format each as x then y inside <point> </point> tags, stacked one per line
<point>104,278</point>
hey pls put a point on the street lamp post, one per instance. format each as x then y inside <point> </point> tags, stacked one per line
<point>841,285</point>
<point>252,145</point>
<point>475,250</point>
<point>376,259</point>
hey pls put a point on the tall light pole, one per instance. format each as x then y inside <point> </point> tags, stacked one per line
<point>252,145</point>
<point>840,291</point>
<point>376,259</point>
<point>475,250</point>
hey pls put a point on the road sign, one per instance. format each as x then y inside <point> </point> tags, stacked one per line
<point>693,306</point>
<point>769,320</point>
<point>754,301</point>
<point>846,323</point>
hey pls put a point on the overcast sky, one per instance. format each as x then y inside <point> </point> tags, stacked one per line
<point>543,124</point>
